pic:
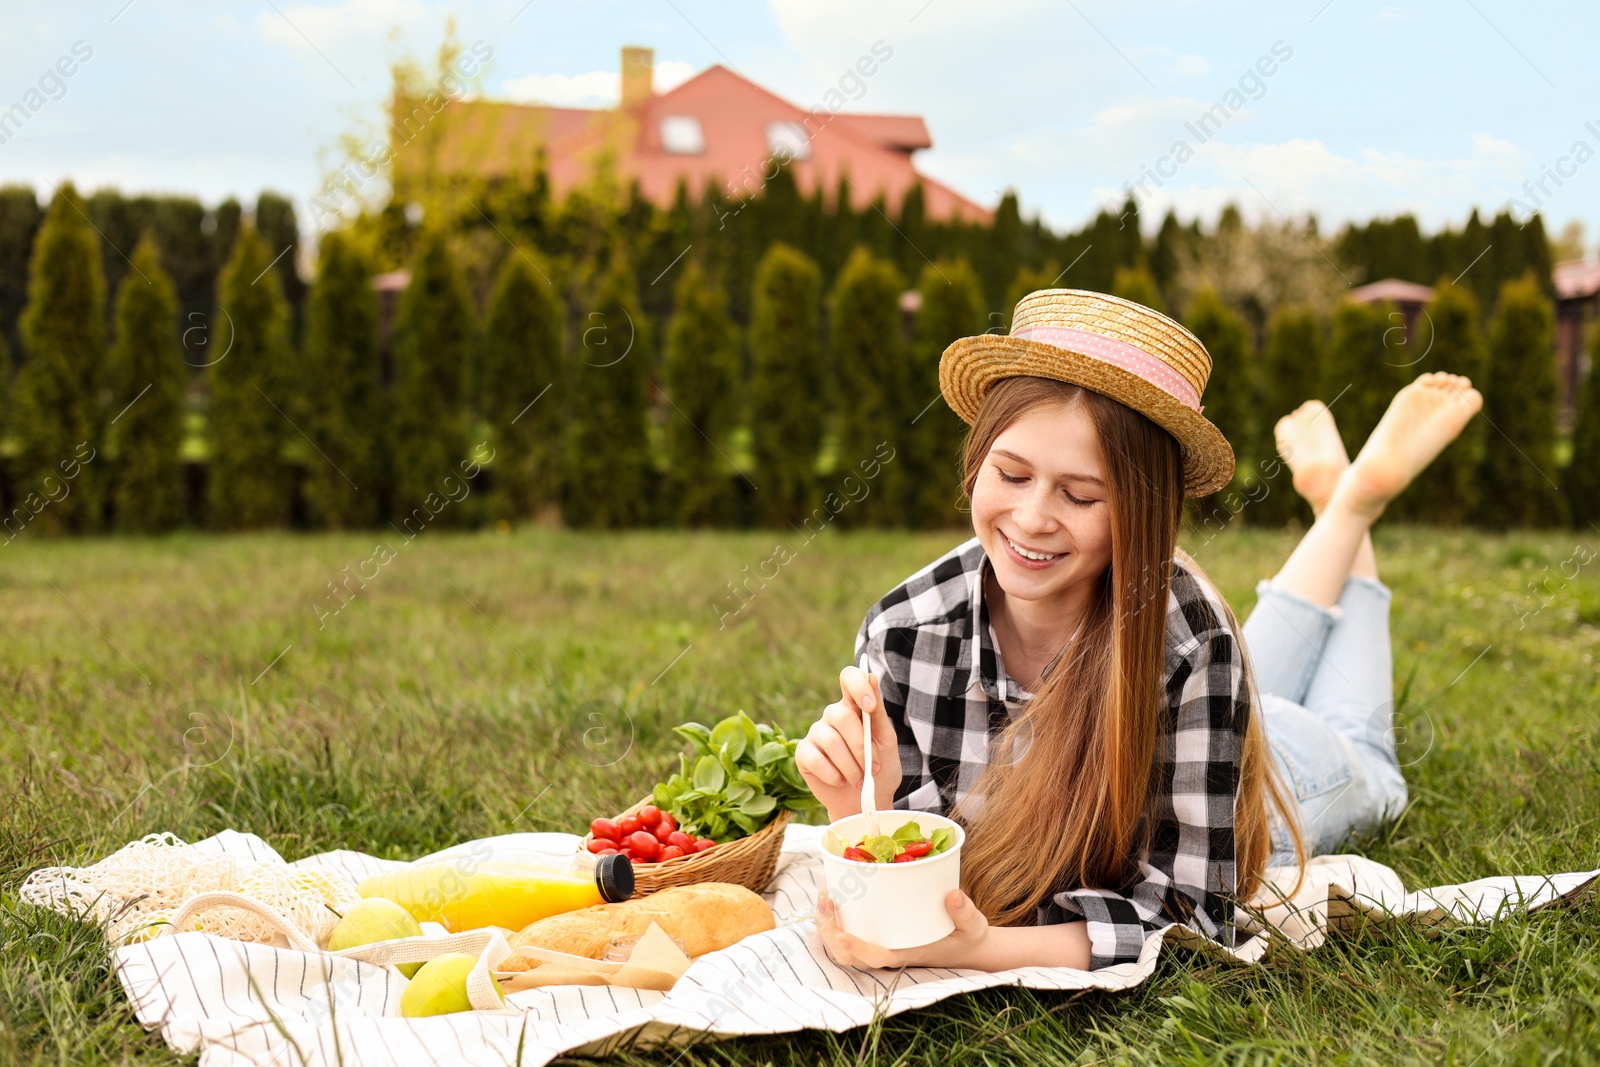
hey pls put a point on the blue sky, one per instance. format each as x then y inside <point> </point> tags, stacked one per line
<point>1370,109</point>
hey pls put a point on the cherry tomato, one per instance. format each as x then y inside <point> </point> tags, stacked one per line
<point>853,853</point>
<point>628,825</point>
<point>681,839</point>
<point>659,831</point>
<point>704,844</point>
<point>606,852</point>
<point>904,857</point>
<point>644,846</point>
<point>605,828</point>
<point>918,849</point>
<point>666,821</point>
<point>649,815</point>
<point>598,843</point>
<point>671,852</point>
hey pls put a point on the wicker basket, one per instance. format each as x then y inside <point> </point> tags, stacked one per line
<point>749,861</point>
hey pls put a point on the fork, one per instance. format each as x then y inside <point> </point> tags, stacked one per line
<point>869,797</point>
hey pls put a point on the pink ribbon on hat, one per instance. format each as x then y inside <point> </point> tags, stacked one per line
<point>1119,354</point>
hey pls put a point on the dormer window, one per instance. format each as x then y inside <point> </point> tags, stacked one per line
<point>788,140</point>
<point>681,135</point>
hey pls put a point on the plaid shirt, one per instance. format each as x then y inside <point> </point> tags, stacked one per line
<point>932,645</point>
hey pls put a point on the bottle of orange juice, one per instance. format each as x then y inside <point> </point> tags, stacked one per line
<point>467,890</point>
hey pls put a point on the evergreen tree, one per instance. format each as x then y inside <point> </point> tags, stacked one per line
<point>701,378</point>
<point>1166,252</point>
<point>870,364</point>
<point>999,254</point>
<point>1027,280</point>
<point>20,218</point>
<point>1583,473</point>
<point>788,409</point>
<point>1230,389</point>
<point>1520,401</point>
<point>59,415</point>
<point>1361,374</point>
<point>521,393</point>
<point>1136,284</point>
<point>251,388</point>
<point>147,367</point>
<point>952,307</point>
<point>1476,258</point>
<point>275,221</point>
<point>5,422</point>
<point>432,344</point>
<point>1291,373</point>
<point>341,390</point>
<point>914,227</point>
<point>608,468</point>
<point>1447,493</point>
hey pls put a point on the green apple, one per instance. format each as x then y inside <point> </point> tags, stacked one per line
<point>440,988</point>
<point>375,919</point>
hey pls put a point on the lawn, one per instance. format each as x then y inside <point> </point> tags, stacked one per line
<point>485,683</point>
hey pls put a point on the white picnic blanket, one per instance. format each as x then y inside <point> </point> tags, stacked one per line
<point>238,1003</point>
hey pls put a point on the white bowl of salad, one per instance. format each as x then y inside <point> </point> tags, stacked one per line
<point>890,889</point>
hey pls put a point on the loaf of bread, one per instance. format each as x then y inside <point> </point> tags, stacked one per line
<point>705,917</point>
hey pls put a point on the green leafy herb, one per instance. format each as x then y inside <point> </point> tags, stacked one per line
<point>740,775</point>
<point>883,848</point>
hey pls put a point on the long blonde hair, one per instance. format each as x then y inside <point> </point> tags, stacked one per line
<point>1080,758</point>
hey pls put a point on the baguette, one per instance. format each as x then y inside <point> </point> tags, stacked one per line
<point>706,916</point>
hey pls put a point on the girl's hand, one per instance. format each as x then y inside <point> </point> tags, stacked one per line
<point>965,948</point>
<point>829,756</point>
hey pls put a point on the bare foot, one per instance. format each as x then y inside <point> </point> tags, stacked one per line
<point>1422,419</point>
<point>1309,442</point>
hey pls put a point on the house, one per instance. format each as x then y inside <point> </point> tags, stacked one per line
<point>716,128</point>
<point>1407,298</point>
<point>1577,283</point>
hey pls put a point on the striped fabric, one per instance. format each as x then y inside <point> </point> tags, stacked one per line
<point>238,1004</point>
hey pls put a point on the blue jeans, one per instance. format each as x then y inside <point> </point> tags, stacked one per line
<point>1326,678</point>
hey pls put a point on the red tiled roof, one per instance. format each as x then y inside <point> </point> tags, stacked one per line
<point>872,152</point>
<point>905,133</point>
<point>1576,279</point>
<point>1392,290</point>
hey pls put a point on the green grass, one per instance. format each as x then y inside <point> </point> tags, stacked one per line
<point>484,684</point>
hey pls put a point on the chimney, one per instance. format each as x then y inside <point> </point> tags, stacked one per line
<point>637,65</point>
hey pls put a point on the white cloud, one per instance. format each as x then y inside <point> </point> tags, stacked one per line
<point>348,34</point>
<point>1302,176</point>
<point>597,88</point>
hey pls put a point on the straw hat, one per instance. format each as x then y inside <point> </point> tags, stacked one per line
<point>1118,348</point>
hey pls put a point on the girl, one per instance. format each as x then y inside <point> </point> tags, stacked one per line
<point>1071,686</point>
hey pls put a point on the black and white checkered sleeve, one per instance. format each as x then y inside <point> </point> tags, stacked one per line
<point>1187,875</point>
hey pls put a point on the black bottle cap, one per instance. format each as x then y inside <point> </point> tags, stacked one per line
<point>614,875</point>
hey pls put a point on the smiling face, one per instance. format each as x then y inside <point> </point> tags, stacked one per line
<point>1040,506</point>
